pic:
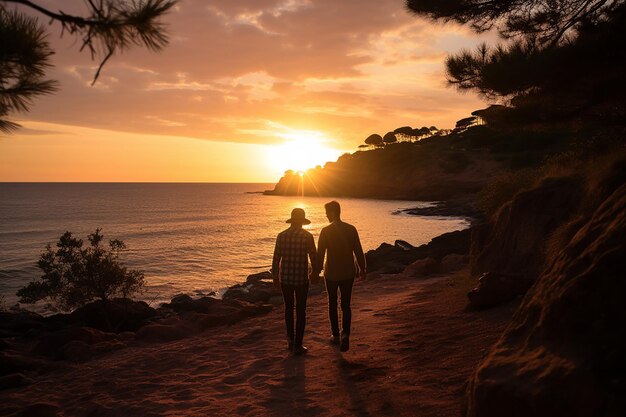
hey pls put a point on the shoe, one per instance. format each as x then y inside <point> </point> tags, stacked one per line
<point>300,350</point>
<point>334,340</point>
<point>344,345</point>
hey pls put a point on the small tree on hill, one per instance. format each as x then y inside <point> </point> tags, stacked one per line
<point>74,275</point>
<point>374,140</point>
<point>389,137</point>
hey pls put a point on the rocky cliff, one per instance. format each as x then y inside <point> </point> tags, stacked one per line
<point>563,353</point>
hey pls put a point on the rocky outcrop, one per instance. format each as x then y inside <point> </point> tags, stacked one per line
<point>391,259</point>
<point>117,315</point>
<point>563,353</point>
<point>511,247</point>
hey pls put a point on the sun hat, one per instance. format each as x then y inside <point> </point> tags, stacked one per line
<point>297,216</point>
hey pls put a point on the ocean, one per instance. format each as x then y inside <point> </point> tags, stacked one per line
<point>187,238</point>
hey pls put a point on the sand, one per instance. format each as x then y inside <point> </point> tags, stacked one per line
<point>413,346</point>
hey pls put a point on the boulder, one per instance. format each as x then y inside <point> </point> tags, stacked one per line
<point>181,299</point>
<point>422,267</point>
<point>117,315</point>
<point>494,289</point>
<point>563,352</point>
<point>403,244</point>
<point>261,276</point>
<point>453,262</point>
<point>51,344</point>
<point>391,259</point>
<point>252,293</point>
<point>184,303</point>
<point>18,323</point>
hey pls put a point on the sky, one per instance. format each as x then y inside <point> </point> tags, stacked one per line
<point>245,90</point>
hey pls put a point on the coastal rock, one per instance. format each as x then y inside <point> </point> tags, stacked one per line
<point>184,303</point>
<point>252,293</point>
<point>390,259</point>
<point>453,262</point>
<point>18,323</point>
<point>261,276</point>
<point>181,299</point>
<point>453,242</point>
<point>403,244</point>
<point>563,353</point>
<point>52,344</point>
<point>422,267</point>
<point>494,289</point>
<point>117,315</point>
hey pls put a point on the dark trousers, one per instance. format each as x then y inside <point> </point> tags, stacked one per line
<point>345,286</point>
<point>297,293</point>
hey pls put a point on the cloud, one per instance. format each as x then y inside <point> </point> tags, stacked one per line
<point>346,68</point>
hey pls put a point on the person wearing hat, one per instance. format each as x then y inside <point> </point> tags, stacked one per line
<point>290,269</point>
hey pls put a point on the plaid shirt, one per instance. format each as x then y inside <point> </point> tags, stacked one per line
<point>293,247</point>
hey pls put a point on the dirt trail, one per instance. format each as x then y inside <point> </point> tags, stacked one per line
<point>413,347</point>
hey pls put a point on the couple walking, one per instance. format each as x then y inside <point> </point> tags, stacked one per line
<point>339,243</point>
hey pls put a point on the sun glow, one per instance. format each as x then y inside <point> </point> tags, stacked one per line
<point>302,150</point>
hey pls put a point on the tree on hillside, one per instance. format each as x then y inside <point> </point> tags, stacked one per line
<point>108,27</point>
<point>548,46</point>
<point>389,138</point>
<point>403,133</point>
<point>374,140</point>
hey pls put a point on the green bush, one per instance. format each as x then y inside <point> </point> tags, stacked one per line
<point>74,275</point>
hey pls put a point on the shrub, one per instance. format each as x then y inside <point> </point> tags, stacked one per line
<point>74,275</point>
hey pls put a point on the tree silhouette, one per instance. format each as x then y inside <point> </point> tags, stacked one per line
<point>548,47</point>
<point>389,137</point>
<point>547,22</point>
<point>108,27</point>
<point>74,275</point>
<point>374,140</point>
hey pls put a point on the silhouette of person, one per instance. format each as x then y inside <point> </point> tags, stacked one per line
<point>290,270</point>
<point>340,241</point>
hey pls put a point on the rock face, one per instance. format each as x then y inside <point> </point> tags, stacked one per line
<point>390,259</point>
<point>511,247</point>
<point>563,353</point>
<point>117,315</point>
<point>494,289</point>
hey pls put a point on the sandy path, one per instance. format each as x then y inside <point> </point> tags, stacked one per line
<point>412,349</point>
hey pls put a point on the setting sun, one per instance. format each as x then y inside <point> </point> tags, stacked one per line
<point>301,151</point>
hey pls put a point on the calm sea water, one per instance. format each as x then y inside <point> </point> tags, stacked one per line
<point>185,237</point>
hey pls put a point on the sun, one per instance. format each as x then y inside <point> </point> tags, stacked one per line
<point>301,152</point>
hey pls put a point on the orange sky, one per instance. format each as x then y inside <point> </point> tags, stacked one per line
<point>243,91</point>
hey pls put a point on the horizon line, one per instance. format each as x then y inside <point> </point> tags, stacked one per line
<point>135,182</point>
